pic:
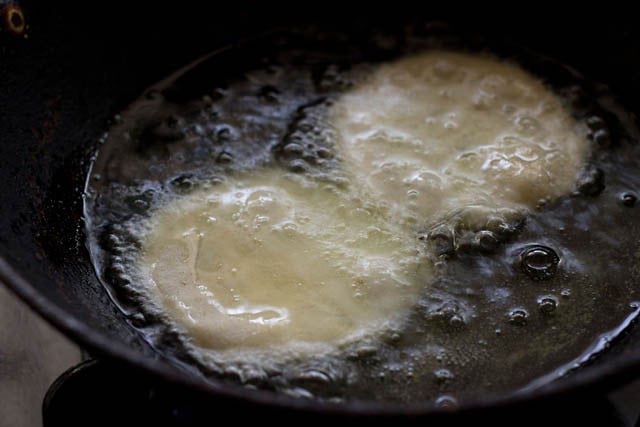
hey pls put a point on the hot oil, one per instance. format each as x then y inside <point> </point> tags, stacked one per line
<point>507,303</point>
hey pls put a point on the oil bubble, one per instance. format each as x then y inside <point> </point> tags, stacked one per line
<point>324,153</point>
<point>312,377</point>
<point>440,241</point>
<point>224,157</point>
<point>183,183</point>
<point>292,150</point>
<point>518,317</point>
<point>596,123</point>
<point>443,375</point>
<point>602,138</point>
<point>628,199</point>
<point>547,304</point>
<point>298,166</point>
<point>446,402</point>
<point>539,262</point>
<point>223,134</point>
<point>449,314</point>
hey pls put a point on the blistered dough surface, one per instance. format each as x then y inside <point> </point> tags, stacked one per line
<point>273,261</point>
<point>442,131</point>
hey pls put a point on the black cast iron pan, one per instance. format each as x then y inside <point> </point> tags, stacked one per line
<point>69,69</point>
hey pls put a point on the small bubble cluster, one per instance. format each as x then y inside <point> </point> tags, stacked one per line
<point>307,147</point>
<point>448,314</point>
<point>461,235</point>
<point>333,78</point>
